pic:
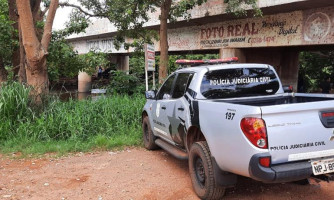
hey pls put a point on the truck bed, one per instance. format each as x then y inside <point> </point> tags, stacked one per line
<point>295,123</point>
<point>280,100</point>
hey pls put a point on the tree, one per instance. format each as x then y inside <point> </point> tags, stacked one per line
<point>237,7</point>
<point>36,49</point>
<point>63,60</point>
<point>129,16</point>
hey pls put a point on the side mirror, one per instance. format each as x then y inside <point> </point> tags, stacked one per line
<point>287,88</point>
<point>150,94</point>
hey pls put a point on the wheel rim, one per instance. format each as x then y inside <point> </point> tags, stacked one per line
<point>199,171</point>
<point>146,133</point>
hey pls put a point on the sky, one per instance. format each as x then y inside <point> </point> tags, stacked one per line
<point>62,16</point>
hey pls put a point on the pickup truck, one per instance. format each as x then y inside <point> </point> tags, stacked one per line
<point>233,120</point>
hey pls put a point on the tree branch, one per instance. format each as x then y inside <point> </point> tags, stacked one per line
<point>29,38</point>
<point>43,12</point>
<point>36,7</point>
<point>48,24</point>
<point>83,11</point>
<point>320,54</point>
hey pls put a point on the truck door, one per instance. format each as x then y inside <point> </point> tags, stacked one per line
<point>160,108</point>
<point>179,108</point>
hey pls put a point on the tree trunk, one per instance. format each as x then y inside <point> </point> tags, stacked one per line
<point>3,72</point>
<point>22,76</point>
<point>38,79</point>
<point>163,68</point>
<point>35,50</point>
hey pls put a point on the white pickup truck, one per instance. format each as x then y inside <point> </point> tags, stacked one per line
<point>235,119</point>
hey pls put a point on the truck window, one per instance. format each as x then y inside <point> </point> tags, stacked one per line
<point>166,88</point>
<point>240,82</point>
<point>181,84</point>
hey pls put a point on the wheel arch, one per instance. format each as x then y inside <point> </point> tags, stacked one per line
<point>194,134</point>
<point>144,114</point>
<point>222,178</point>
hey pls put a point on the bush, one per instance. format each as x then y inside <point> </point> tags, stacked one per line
<point>107,122</point>
<point>123,83</point>
<point>15,103</point>
<point>314,68</point>
<point>62,60</point>
<point>83,119</point>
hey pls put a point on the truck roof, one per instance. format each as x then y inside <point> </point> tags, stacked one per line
<point>221,66</point>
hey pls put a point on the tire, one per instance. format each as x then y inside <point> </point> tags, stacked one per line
<point>148,136</point>
<point>202,174</point>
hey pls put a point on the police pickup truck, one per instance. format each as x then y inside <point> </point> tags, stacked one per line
<point>235,119</point>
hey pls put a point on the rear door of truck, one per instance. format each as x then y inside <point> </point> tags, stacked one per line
<point>303,131</point>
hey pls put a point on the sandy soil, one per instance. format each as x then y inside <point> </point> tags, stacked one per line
<point>130,174</point>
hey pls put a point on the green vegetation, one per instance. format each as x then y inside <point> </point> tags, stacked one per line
<point>314,68</point>
<point>71,126</point>
<point>7,44</point>
<point>63,61</point>
<point>92,60</point>
<point>239,7</point>
<point>172,59</point>
<point>133,82</point>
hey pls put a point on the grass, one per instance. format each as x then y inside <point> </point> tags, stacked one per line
<point>73,126</point>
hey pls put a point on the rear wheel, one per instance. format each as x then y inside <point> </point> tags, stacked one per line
<point>201,172</point>
<point>148,136</point>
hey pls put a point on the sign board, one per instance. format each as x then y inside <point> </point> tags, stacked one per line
<point>307,27</point>
<point>149,57</point>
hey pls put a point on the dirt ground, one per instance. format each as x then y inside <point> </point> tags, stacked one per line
<point>130,174</point>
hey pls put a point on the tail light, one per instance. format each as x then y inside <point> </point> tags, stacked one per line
<point>265,161</point>
<point>255,131</point>
<point>328,114</point>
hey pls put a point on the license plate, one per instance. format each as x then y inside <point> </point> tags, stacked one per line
<point>323,166</point>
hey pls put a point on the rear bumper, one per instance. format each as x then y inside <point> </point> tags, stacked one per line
<point>279,173</point>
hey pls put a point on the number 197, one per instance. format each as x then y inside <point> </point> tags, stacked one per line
<point>229,116</point>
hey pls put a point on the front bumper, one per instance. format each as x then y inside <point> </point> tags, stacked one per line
<point>286,172</point>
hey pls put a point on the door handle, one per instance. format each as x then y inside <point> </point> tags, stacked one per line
<point>181,109</point>
<point>163,107</point>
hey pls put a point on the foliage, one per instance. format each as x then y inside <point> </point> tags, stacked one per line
<point>172,59</point>
<point>63,61</point>
<point>130,16</point>
<point>6,32</point>
<point>123,83</point>
<point>77,23</point>
<point>92,60</point>
<point>181,8</point>
<point>132,82</point>
<point>69,126</point>
<point>14,103</point>
<point>239,7</point>
<point>314,68</point>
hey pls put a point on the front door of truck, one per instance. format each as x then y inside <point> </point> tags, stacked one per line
<point>179,109</point>
<point>161,107</point>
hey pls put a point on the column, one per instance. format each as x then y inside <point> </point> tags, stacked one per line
<point>228,53</point>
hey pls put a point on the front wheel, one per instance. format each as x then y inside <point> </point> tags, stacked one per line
<point>202,174</point>
<point>148,137</point>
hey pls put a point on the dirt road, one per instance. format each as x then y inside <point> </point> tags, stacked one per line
<point>130,174</point>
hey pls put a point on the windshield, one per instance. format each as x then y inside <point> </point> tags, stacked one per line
<point>240,82</point>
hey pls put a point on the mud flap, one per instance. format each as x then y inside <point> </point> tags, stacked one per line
<point>223,178</point>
